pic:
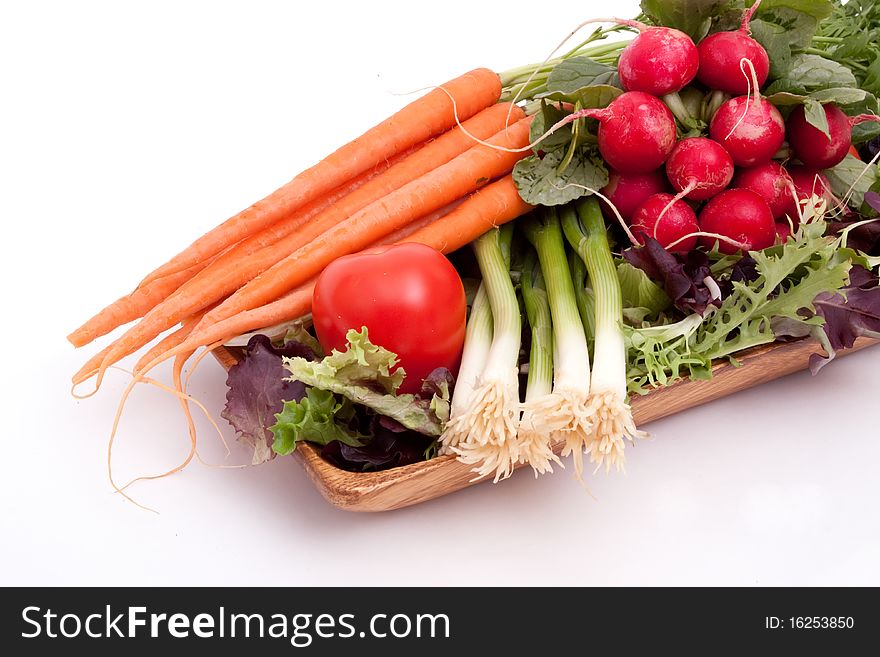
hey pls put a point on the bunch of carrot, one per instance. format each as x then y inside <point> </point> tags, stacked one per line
<point>436,172</point>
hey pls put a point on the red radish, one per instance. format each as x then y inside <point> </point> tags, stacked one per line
<point>812,146</point>
<point>722,55</point>
<point>636,131</point>
<point>771,182</point>
<point>807,183</point>
<point>699,168</point>
<point>667,220</point>
<point>740,215</point>
<point>659,61</point>
<point>750,128</point>
<point>627,192</point>
<point>783,231</point>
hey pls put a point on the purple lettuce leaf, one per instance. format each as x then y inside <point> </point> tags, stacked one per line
<point>849,314</point>
<point>873,200</point>
<point>865,238</point>
<point>682,277</point>
<point>392,446</point>
<point>257,391</point>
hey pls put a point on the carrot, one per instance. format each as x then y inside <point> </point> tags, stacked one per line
<point>145,298</point>
<point>229,274</point>
<point>432,191</point>
<point>169,341</point>
<point>132,306</point>
<point>417,122</point>
<point>285,227</point>
<point>494,205</point>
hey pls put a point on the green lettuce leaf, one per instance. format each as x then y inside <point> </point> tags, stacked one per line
<point>365,374</point>
<point>639,291</point>
<point>317,418</point>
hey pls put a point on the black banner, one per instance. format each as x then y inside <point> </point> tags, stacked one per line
<point>433,621</point>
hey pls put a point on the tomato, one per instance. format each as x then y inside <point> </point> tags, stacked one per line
<point>409,297</point>
<point>854,152</point>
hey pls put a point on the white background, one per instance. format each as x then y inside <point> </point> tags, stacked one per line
<point>130,128</point>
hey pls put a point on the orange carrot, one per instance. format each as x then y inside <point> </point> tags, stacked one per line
<point>169,341</point>
<point>229,274</point>
<point>494,205</point>
<point>132,306</point>
<point>288,225</point>
<point>417,122</point>
<point>432,191</point>
<point>405,232</point>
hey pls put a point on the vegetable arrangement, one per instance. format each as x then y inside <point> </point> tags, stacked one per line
<point>632,211</point>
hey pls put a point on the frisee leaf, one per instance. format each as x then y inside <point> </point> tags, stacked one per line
<point>789,278</point>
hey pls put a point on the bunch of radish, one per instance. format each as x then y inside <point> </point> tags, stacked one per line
<point>726,188</point>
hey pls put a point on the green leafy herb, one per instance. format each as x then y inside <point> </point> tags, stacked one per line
<point>572,75</point>
<point>549,116</point>
<point>809,73</point>
<point>854,178</point>
<point>693,17</point>
<point>540,182</point>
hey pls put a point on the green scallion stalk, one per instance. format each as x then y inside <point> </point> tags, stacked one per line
<point>536,447</point>
<point>613,423</point>
<point>586,300</point>
<point>477,342</point>
<point>488,439</point>
<point>565,413</point>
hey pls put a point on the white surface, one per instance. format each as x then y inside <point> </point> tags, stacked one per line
<point>129,129</point>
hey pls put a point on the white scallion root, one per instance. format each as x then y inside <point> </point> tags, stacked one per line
<point>566,414</point>
<point>535,439</point>
<point>487,434</point>
<point>613,426</point>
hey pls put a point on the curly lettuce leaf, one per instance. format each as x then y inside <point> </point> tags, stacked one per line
<point>790,279</point>
<point>318,418</point>
<point>366,374</point>
<point>256,390</point>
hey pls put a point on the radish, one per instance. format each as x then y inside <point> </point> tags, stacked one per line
<point>812,146</point>
<point>628,192</point>
<point>783,231</point>
<point>667,220</point>
<point>721,56</point>
<point>771,182</point>
<point>636,131</point>
<point>699,168</point>
<point>659,61</point>
<point>750,128</point>
<point>740,215</point>
<point>806,183</point>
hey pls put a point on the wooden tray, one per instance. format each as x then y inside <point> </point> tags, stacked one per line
<point>420,482</point>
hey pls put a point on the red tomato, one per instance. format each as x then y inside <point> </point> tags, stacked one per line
<point>854,152</point>
<point>409,297</point>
